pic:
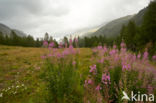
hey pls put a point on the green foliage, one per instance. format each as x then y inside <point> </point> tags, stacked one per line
<point>15,40</point>
<point>63,83</point>
<point>139,38</point>
<point>46,37</point>
<point>149,23</point>
<point>128,34</point>
<point>115,90</point>
<point>95,41</point>
<point>26,41</point>
<point>99,74</point>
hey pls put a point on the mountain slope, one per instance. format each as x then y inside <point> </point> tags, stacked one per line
<point>113,28</point>
<point>138,18</point>
<point>6,30</point>
<point>19,33</point>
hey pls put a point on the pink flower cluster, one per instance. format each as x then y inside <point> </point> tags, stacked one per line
<point>113,58</point>
<point>92,69</point>
<point>60,45</point>
<point>154,57</point>
<point>98,88</point>
<point>113,51</point>
<point>51,45</point>
<point>122,45</point>
<point>99,47</point>
<point>105,78</point>
<point>45,43</point>
<point>145,56</point>
<point>126,66</point>
<point>88,82</point>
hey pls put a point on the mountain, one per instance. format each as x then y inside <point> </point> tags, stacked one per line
<point>6,30</point>
<point>19,33</point>
<point>138,18</point>
<point>83,32</point>
<point>113,28</point>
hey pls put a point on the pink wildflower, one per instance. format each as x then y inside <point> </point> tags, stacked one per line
<point>70,41</point>
<point>43,57</point>
<point>70,46</point>
<point>126,66</point>
<point>123,50</point>
<point>99,47</point>
<point>65,52</point>
<point>145,56</point>
<point>45,43</point>
<point>49,55</point>
<point>85,84</point>
<point>138,56</point>
<point>150,88</point>
<point>51,45</point>
<point>105,49</point>
<point>108,77</point>
<point>134,57</point>
<point>154,57</point>
<point>112,52</point>
<point>74,62</point>
<point>94,50</point>
<point>92,68</point>
<point>114,46</point>
<point>122,45</point>
<point>60,45</point>
<point>105,78</point>
<point>98,88</point>
<point>90,81</point>
<point>59,55</point>
<point>116,57</point>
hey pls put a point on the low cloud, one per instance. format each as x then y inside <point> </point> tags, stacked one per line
<point>61,17</point>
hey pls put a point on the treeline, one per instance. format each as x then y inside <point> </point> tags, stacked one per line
<point>95,41</point>
<point>14,40</point>
<point>26,41</point>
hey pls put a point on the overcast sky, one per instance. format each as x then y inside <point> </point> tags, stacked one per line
<point>60,17</point>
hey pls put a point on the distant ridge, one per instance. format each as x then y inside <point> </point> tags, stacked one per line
<point>6,30</point>
<point>113,28</point>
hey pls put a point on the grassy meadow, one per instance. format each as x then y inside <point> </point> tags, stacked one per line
<point>22,65</point>
<point>72,75</point>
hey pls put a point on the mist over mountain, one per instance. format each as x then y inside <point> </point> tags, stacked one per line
<point>7,30</point>
<point>113,28</point>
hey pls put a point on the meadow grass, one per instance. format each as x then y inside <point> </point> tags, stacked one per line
<point>23,65</point>
<point>31,75</point>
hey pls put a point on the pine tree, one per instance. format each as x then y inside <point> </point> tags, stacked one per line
<point>148,27</point>
<point>46,37</point>
<point>149,23</point>
<point>1,38</point>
